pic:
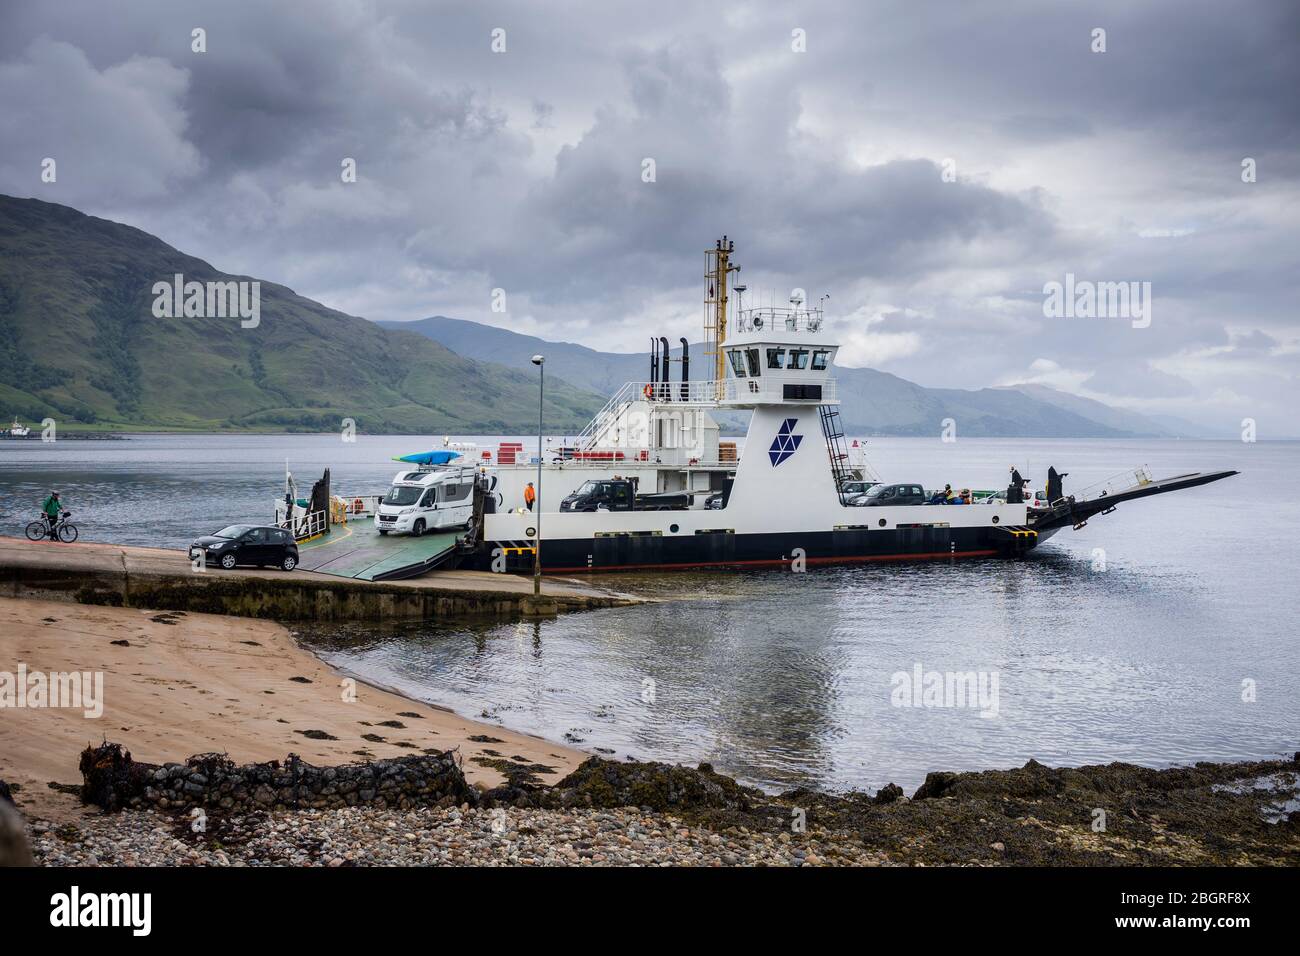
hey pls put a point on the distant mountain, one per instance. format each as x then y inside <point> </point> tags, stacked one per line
<point>871,402</point>
<point>1138,425</point>
<point>1182,428</point>
<point>79,342</point>
<point>601,372</point>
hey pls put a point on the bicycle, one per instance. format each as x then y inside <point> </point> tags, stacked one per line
<point>64,530</point>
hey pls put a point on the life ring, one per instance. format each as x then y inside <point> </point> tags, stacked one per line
<point>358,506</point>
<point>649,391</point>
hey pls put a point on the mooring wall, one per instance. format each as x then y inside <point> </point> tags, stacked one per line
<point>302,595</point>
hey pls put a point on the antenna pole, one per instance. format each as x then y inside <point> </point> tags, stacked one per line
<point>715,318</point>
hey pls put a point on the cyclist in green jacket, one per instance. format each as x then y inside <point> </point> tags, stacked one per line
<point>51,507</point>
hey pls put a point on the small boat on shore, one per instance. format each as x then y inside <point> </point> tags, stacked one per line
<point>17,430</point>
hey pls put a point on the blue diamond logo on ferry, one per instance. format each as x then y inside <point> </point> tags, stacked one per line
<point>785,442</point>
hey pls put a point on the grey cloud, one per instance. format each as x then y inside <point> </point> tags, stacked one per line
<point>1138,380</point>
<point>522,170</point>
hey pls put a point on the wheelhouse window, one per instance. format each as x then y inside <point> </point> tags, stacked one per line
<point>776,358</point>
<point>819,360</point>
<point>737,362</point>
<point>798,359</point>
<point>751,357</point>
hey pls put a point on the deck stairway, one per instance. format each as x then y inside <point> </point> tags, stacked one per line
<point>602,430</point>
<point>592,435</point>
<point>833,431</point>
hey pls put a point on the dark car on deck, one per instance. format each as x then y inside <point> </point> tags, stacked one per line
<point>852,488</point>
<point>247,544</point>
<point>881,495</point>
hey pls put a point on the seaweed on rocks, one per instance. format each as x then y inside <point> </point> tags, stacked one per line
<point>110,778</point>
<point>114,781</point>
<point>659,786</point>
<point>1116,814</point>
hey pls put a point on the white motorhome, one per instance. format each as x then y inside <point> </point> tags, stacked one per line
<point>427,498</point>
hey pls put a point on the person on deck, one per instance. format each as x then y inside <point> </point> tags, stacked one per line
<point>530,496</point>
<point>51,508</point>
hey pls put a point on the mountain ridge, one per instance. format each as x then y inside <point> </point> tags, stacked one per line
<point>872,402</point>
<point>79,342</point>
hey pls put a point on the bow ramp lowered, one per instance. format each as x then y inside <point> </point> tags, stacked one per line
<point>1075,510</point>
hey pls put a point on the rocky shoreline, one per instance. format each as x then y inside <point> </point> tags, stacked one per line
<point>648,814</point>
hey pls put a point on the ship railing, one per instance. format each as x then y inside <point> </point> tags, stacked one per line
<point>302,524</point>
<point>772,319</point>
<point>626,456</point>
<point>703,393</point>
<point>608,413</point>
<point>1124,481</point>
<point>773,390</point>
<point>345,508</point>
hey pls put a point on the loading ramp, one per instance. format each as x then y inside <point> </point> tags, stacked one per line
<point>360,552</point>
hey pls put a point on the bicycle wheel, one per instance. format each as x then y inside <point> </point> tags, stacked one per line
<point>67,533</point>
<point>36,530</point>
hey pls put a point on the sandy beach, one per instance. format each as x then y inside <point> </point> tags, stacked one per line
<point>177,684</point>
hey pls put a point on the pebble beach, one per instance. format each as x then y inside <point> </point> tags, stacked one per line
<point>430,837</point>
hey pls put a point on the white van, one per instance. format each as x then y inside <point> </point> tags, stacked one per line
<point>428,499</point>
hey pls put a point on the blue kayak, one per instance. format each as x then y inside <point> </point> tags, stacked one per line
<point>429,458</point>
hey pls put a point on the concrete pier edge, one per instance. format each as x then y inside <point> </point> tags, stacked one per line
<point>120,576</point>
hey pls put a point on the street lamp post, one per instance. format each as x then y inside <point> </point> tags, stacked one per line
<point>539,361</point>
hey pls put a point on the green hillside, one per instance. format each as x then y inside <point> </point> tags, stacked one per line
<point>79,343</point>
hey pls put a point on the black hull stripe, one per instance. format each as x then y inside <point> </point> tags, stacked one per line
<point>848,546</point>
<point>777,562</point>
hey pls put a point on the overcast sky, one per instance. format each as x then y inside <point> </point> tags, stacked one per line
<point>522,169</point>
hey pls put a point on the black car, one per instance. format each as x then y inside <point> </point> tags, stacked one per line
<point>882,495</point>
<point>247,544</point>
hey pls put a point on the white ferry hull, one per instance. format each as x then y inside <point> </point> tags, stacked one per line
<point>783,508</point>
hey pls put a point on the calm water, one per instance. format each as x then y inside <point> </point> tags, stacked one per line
<point>785,679</point>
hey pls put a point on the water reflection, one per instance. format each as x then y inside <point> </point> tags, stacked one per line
<point>784,679</point>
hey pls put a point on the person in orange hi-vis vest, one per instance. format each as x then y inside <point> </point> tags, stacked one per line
<point>530,496</point>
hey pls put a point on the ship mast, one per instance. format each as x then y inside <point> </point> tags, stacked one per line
<point>717,274</point>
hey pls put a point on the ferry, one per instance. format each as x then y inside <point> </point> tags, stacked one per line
<point>17,429</point>
<point>782,501</point>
